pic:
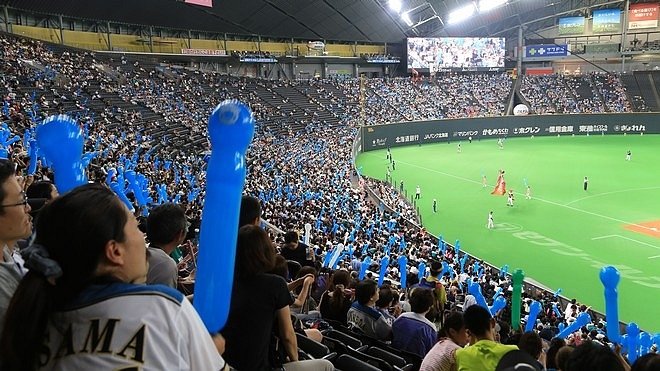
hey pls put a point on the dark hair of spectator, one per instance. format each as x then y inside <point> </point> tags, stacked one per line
<point>302,273</point>
<point>647,362</point>
<point>74,229</point>
<point>453,321</point>
<point>339,281</point>
<point>436,268</point>
<point>385,297</point>
<point>421,300</point>
<point>7,169</point>
<point>364,290</point>
<point>530,343</point>
<point>477,320</point>
<point>250,210</point>
<point>165,223</point>
<point>551,356</point>
<point>563,354</point>
<point>40,189</point>
<point>281,267</point>
<point>592,356</point>
<point>291,237</point>
<point>254,252</point>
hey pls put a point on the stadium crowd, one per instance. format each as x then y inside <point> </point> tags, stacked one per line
<point>144,117</point>
<point>591,93</point>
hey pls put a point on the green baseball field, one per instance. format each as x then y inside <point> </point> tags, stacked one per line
<point>563,235</point>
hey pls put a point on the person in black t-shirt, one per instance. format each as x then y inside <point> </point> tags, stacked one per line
<point>258,302</point>
<point>293,249</point>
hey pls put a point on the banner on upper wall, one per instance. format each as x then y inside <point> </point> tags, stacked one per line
<point>571,25</point>
<point>601,48</point>
<point>643,15</point>
<point>214,52</point>
<point>546,51</point>
<point>421,132</point>
<point>606,21</point>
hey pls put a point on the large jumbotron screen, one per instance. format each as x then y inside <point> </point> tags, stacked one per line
<point>456,54</point>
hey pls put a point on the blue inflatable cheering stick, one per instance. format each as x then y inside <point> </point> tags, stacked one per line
<point>364,266</point>
<point>610,278</point>
<point>556,310</point>
<point>384,262</point>
<point>633,337</point>
<point>231,128</point>
<point>60,139</point>
<point>403,265</point>
<point>645,343</point>
<point>498,304</point>
<point>475,289</point>
<point>422,270</point>
<point>534,310</point>
<point>33,153</point>
<point>582,319</point>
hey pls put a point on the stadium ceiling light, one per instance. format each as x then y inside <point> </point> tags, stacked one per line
<point>486,5</point>
<point>461,14</point>
<point>406,18</point>
<point>396,5</point>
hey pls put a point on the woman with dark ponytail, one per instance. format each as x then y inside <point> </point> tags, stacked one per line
<point>82,305</point>
<point>336,301</point>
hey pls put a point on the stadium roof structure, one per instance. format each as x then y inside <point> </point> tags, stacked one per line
<point>346,20</point>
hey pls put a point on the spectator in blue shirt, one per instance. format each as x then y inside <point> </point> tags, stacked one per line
<point>412,332</point>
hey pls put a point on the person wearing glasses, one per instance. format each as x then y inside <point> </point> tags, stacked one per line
<point>15,224</point>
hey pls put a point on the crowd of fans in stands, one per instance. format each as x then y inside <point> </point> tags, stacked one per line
<point>299,172</point>
<point>592,93</point>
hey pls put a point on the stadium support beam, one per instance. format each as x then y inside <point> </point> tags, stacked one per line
<point>624,35</point>
<point>6,19</point>
<point>426,20</point>
<point>61,25</point>
<point>107,25</point>
<point>520,51</point>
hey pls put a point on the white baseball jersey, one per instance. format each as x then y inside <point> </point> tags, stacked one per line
<point>120,326</point>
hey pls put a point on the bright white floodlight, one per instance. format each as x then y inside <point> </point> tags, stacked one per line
<point>461,14</point>
<point>486,5</point>
<point>406,18</point>
<point>396,5</point>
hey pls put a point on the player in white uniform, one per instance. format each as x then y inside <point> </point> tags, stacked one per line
<point>491,224</point>
<point>509,200</point>
<point>528,193</point>
<point>82,302</point>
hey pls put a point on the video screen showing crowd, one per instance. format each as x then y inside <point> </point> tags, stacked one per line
<point>433,54</point>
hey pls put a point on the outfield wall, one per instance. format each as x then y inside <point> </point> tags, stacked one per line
<point>421,132</point>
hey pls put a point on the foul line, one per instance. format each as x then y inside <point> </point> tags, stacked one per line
<point>613,192</point>
<point>519,193</point>
<point>629,239</point>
